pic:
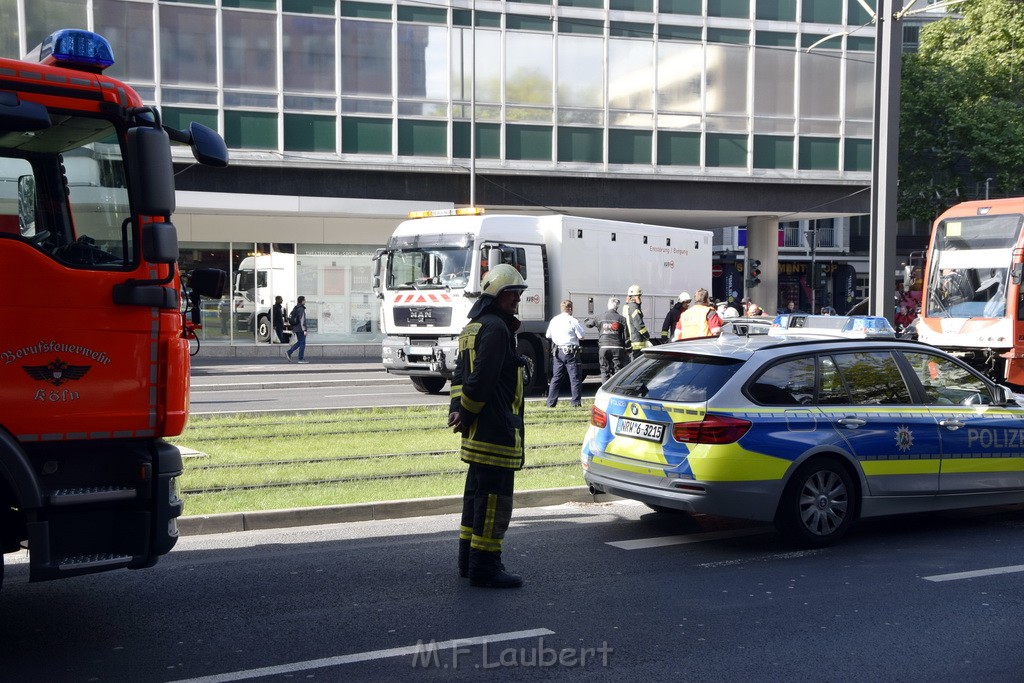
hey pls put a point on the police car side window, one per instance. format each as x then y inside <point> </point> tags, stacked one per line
<point>946,382</point>
<point>873,378</point>
<point>831,389</point>
<point>790,382</point>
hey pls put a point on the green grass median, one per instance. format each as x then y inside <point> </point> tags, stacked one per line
<point>249,462</point>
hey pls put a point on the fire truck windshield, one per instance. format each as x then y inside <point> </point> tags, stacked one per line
<point>63,190</point>
<point>969,266</point>
<point>429,268</point>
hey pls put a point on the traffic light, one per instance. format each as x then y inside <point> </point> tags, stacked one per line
<point>754,277</point>
<point>821,273</point>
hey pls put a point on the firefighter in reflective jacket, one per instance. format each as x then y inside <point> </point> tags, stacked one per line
<point>700,319</point>
<point>639,337</point>
<point>487,410</point>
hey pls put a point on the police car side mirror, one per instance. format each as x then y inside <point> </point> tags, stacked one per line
<point>1004,396</point>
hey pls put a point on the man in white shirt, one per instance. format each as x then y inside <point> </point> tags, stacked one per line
<point>565,333</point>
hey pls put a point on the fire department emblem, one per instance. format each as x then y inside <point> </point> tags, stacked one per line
<point>57,372</point>
<point>904,439</point>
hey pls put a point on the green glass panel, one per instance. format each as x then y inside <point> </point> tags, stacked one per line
<point>463,17</point>
<point>625,29</point>
<point>423,138</point>
<point>580,144</point>
<point>858,155</point>
<point>678,149</point>
<point>527,142</point>
<point>729,36</point>
<point>777,10</point>
<point>631,5</point>
<point>488,140</point>
<point>250,129</point>
<point>308,6</point>
<point>737,9</point>
<point>179,118</point>
<point>250,4</point>
<point>365,10</point>
<point>858,16</point>
<point>860,44</point>
<point>629,146</point>
<point>532,2</point>
<point>194,2</point>
<point>423,15</point>
<point>585,26</point>
<point>365,135</point>
<point>519,22</point>
<point>775,39</point>
<point>593,4</point>
<point>9,30</point>
<point>308,133</point>
<point>834,42</point>
<point>681,7</point>
<point>819,154</point>
<point>773,151</point>
<point>726,150</point>
<point>822,11</point>
<point>670,32</point>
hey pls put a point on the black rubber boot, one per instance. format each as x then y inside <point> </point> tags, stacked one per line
<point>487,571</point>
<point>463,558</point>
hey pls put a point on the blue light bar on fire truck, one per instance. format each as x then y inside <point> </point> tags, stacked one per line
<point>464,211</point>
<point>74,48</point>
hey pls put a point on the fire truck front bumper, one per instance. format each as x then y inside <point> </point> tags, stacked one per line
<point>420,357</point>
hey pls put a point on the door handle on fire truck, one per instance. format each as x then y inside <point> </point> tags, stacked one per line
<point>852,422</point>
<point>952,424</point>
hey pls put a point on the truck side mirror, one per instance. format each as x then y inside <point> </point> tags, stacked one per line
<point>150,173</point>
<point>208,282</point>
<point>1016,271</point>
<point>208,146</point>
<point>160,242</point>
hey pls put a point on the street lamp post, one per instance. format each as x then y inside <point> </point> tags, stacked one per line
<point>987,181</point>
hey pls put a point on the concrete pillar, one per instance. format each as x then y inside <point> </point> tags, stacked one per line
<point>763,245</point>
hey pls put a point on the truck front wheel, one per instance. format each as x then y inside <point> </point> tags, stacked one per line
<point>428,385</point>
<point>263,329</point>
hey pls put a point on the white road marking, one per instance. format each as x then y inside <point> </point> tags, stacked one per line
<point>658,542</point>
<point>366,656</point>
<point>956,576</point>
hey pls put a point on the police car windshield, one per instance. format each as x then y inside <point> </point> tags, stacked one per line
<point>685,378</point>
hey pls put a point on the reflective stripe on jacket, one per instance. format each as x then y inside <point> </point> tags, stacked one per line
<point>638,334</point>
<point>694,322</point>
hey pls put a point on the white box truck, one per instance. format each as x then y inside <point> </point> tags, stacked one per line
<point>428,277</point>
<point>261,277</point>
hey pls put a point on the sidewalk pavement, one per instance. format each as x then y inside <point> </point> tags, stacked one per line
<point>361,512</point>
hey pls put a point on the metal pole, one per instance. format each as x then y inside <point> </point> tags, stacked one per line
<point>472,111</point>
<point>885,152</point>
<point>987,181</point>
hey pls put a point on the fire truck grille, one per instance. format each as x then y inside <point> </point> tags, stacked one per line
<point>423,316</point>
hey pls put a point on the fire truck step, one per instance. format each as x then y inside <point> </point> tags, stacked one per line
<point>92,494</point>
<point>79,562</point>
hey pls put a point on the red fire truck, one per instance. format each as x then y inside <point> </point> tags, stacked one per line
<point>94,357</point>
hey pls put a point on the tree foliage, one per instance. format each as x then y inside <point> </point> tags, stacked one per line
<point>962,109</point>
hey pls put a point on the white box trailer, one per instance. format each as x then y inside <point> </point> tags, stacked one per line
<point>428,277</point>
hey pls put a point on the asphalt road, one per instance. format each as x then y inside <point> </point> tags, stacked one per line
<point>274,385</point>
<point>613,592</point>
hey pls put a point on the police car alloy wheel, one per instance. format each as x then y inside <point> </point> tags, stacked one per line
<point>818,504</point>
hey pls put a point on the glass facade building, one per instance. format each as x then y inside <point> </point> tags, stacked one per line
<point>695,90</point>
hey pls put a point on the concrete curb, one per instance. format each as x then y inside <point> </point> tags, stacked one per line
<point>363,512</point>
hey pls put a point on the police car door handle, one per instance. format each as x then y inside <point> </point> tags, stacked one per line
<point>852,422</point>
<point>952,425</point>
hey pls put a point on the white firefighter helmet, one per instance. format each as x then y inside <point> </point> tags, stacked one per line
<point>634,290</point>
<point>684,297</point>
<point>501,277</point>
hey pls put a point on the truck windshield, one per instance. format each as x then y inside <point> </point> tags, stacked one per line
<point>429,268</point>
<point>969,266</point>
<point>63,190</point>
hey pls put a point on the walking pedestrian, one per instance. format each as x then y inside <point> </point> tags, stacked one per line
<point>668,327</point>
<point>565,333</point>
<point>297,319</point>
<point>277,316</point>
<point>639,337</point>
<point>611,338</point>
<point>487,410</point>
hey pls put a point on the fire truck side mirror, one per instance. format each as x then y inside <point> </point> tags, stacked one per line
<point>160,242</point>
<point>1016,272</point>
<point>208,146</point>
<point>208,282</point>
<point>150,173</point>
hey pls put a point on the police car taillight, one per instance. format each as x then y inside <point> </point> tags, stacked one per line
<point>713,429</point>
<point>598,417</point>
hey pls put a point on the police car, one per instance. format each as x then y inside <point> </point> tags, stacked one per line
<point>808,432</point>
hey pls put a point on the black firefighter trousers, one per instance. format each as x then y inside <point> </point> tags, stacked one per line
<point>486,508</point>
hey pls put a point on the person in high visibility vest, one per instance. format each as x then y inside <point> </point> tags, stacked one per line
<point>668,327</point>
<point>639,337</point>
<point>700,319</point>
